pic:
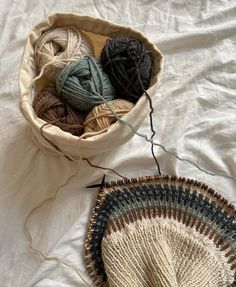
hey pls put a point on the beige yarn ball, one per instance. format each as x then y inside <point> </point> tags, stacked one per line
<point>58,47</point>
<point>100,117</point>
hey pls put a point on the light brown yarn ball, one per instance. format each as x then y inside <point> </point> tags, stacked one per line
<point>100,118</point>
<point>58,47</point>
<point>54,110</point>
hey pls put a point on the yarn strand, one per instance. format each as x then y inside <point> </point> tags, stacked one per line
<point>151,123</point>
<point>71,159</point>
<point>150,140</point>
<point>54,145</point>
<point>104,168</point>
<point>153,134</point>
<point>121,120</point>
<point>174,154</point>
<point>150,115</point>
<point>129,65</point>
<point>30,239</point>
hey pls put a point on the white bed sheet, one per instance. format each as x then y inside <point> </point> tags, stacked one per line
<point>195,115</point>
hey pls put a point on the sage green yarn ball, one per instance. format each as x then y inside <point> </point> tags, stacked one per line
<point>84,85</point>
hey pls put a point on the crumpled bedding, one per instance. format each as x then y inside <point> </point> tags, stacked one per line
<point>195,116</point>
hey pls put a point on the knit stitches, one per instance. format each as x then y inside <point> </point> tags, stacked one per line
<point>161,231</point>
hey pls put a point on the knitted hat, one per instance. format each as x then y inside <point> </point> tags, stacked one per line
<point>159,232</point>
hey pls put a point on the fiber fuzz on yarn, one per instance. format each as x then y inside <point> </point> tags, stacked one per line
<point>54,110</point>
<point>58,47</point>
<point>84,85</point>
<point>100,117</point>
<point>129,65</point>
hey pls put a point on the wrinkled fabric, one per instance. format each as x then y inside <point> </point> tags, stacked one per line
<point>194,115</point>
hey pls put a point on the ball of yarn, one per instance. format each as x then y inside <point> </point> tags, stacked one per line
<point>58,47</point>
<point>101,117</point>
<point>129,65</point>
<point>84,85</point>
<point>52,109</point>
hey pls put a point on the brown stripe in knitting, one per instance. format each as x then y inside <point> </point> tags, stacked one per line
<point>158,211</point>
<point>224,246</point>
<point>164,214</point>
<point>198,225</point>
<point>219,242</point>
<point>184,217</point>
<point>126,218</point>
<point>232,259</point>
<point>170,212</point>
<point>174,214</point>
<point>139,214</point>
<point>131,217</point>
<point>144,211</point>
<point>202,227</point>
<point>114,226</point>
<point>154,212</point>
<point>207,232</point>
<point>143,214</point>
<point>193,222</point>
<point>233,267</point>
<point>177,181</point>
<point>188,219</point>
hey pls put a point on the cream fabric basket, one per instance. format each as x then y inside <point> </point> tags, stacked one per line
<point>60,142</point>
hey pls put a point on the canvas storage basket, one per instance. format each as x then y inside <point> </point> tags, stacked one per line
<point>98,31</point>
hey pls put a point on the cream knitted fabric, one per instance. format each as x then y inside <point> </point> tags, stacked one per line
<point>161,232</point>
<point>163,253</point>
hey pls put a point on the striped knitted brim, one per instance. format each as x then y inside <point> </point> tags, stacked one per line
<point>161,231</point>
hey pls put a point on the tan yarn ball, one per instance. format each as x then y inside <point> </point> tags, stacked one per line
<point>101,117</point>
<point>58,47</point>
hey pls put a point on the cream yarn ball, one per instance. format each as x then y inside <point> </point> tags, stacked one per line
<point>58,47</point>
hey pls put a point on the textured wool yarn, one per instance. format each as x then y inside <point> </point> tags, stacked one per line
<point>58,47</point>
<point>161,231</point>
<point>52,109</point>
<point>101,117</point>
<point>129,65</point>
<point>84,85</point>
